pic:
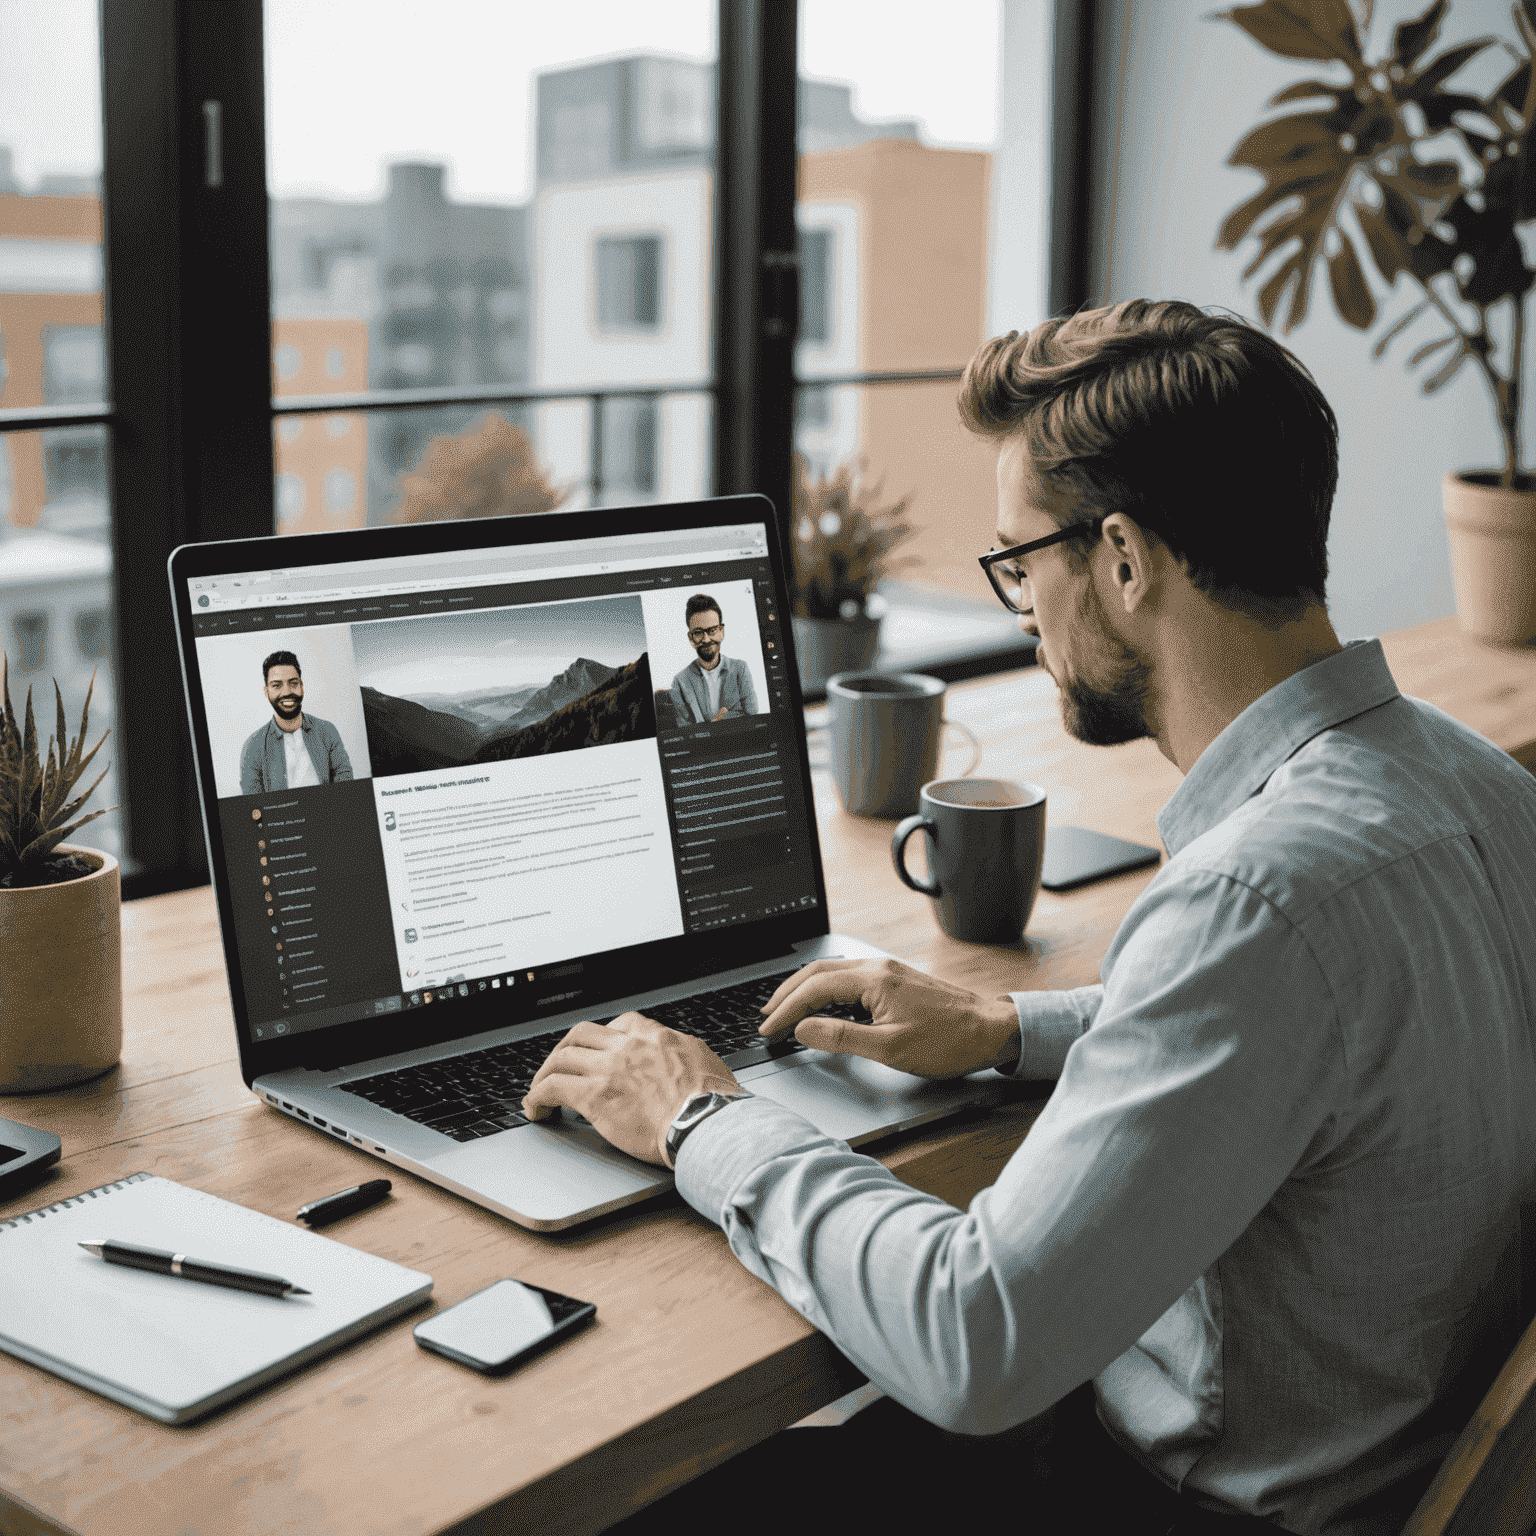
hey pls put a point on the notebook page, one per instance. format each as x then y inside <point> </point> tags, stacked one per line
<point>171,1341</point>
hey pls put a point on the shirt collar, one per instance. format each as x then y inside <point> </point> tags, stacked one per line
<point>1239,763</point>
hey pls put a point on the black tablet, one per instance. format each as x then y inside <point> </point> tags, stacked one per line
<point>1075,856</point>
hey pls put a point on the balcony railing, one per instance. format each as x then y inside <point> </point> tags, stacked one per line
<point>597,399</point>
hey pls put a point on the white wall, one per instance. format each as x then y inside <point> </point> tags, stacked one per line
<point>570,349</point>
<point>1177,91</point>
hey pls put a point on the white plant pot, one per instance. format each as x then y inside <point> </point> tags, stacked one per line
<point>1492,532</point>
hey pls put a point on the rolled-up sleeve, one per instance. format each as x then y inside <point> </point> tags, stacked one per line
<point>1190,1086</point>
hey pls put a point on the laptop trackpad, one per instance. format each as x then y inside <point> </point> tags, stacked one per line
<point>848,1096</point>
<point>550,1172</point>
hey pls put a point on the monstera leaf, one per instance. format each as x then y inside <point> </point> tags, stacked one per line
<point>1359,154</point>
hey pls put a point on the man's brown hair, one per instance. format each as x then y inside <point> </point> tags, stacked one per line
<point>1202,428</point>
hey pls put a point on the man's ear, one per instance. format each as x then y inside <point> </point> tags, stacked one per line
<point>1134,568</point>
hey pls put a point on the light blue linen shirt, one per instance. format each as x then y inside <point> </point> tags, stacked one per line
<point>1273,1207</point>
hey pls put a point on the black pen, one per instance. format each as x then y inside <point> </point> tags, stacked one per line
<point>318,1212</point>
<point>160,1262</point>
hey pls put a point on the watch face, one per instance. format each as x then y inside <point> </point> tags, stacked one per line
<point>695,1109</point>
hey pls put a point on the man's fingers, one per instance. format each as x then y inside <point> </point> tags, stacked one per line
<point>874,1041</point>
<point>555,1090</point>
<point>790,983</point>
<point>573,1055</point>
<point>827,981</point>
<point>624,1024</point>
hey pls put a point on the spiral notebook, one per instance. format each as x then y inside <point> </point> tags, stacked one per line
<point>177,1349</point>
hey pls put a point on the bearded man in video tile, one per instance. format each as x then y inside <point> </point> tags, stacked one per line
<point>293,748</point>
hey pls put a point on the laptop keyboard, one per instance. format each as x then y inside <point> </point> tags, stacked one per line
<point>481,1092</point>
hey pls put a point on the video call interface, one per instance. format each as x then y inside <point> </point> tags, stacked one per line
<point>486,770</point>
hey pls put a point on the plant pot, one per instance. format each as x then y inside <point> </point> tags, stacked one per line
<point>826,646</point>
<point>1492,533</point>
<point>61,979</point>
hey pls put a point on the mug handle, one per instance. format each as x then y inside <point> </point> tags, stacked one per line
<point>970,736</point>
<point>899,851</point>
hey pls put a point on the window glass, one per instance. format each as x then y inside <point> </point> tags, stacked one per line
<point>900,132</point>
<point>510,196</point>
<point>55,511</point>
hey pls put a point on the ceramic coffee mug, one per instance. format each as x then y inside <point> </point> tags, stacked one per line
<point>986,845</point>
<point>885,738</point>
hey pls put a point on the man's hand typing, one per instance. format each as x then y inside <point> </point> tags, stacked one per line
<point>629,1078</point>
<point>919,1023</point>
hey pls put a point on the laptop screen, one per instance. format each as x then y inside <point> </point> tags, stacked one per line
<point>485,770</point>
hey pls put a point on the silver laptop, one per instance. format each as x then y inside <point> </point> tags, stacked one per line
<point>466,784</point>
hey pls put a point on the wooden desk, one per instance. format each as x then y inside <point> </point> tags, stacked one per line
<point>691,1358</point>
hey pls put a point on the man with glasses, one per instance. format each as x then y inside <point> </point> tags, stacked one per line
<point>715,686</point>
<point>1275,1230</point>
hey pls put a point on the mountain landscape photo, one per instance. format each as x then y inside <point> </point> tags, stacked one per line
<point>587,704</point>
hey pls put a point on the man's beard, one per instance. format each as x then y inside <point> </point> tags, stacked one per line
<point>1106,714</point>
<point>708,654</point>
<point>287,707</point>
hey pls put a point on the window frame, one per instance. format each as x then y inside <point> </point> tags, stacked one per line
<point>188,325</point>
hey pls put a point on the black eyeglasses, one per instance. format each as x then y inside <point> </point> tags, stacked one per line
<point>1010,583</point>
<point>712,633</point>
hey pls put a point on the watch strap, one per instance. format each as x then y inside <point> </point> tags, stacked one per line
<point>695,1112</point>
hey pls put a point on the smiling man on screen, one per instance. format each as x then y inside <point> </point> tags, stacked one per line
<point>292,749</point>
<point>1265,1245</point>
<point>713,686</point>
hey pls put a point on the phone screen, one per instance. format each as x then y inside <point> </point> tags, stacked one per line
<point>495,1328</point>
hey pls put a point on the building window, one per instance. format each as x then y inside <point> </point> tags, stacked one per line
<point>91,633</point>
<point>629,445</point>
<point>813,405</point>
<point>32,636</point>
<point>335,363</point>
<point>286,361</point>
<point>816,285</point>
<point>290,498</point>
<point>74,368</point>
<point>74,462</point>
<point>629,283</point>
<point>340,492</point>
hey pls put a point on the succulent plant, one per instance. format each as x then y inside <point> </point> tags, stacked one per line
<point>35,803</point>
<point>1392,160</point>
<point>843,540</point>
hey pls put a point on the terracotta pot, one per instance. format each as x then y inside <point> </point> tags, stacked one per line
<point>1492,532</point>
<point>61,979</point>
<point>824,647</point>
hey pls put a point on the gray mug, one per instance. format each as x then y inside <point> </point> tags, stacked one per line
<point>885,731</point>
<point>986,845</point>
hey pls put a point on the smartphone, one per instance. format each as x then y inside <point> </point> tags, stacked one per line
<point>1074,856</point>
<point>503,1325</point>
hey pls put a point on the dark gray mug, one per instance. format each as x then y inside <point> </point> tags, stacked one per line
<point>885,730</point>
<point>986,844</point>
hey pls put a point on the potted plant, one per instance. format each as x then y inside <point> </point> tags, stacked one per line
<point>1391,167</point>
<point>61,994</point>
<point>844,544</point>
<point>488,470</point>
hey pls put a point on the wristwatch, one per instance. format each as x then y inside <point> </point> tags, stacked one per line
<point>695,1112</point>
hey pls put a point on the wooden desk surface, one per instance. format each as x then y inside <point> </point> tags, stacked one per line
<point>691,1358</point>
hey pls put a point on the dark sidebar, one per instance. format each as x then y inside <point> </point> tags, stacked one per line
<point>311,906</point>
<point>735,803</point>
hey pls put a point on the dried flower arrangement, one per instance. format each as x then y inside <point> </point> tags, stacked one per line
<point>844,541</point>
